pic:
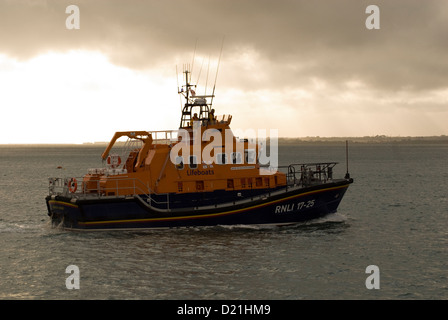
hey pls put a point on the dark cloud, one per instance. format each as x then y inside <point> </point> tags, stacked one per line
<point>292,41</point>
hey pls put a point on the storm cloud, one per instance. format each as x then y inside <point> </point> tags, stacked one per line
<point>292,40</point>
<point>311,55</point>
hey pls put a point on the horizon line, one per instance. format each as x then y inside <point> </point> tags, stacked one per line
<point>384,138</point>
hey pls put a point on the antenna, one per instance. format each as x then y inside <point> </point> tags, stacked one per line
<point>194,54</point>
<point>217,69</point>
<point>200,70</point>
<point>178,91</point>
<point>206,79</point>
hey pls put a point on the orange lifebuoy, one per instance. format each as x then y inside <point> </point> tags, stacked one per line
<point>73,185</point>
<point>113,161</point>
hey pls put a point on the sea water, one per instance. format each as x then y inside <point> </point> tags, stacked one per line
<point>393,217</point>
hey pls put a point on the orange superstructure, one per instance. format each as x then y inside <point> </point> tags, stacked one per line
<point>207,157</point>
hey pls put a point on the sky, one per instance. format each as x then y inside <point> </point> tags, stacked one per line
<point>305,68</point>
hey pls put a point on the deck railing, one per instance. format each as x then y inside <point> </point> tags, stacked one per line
<point>297,176</point>
<point>164,136</point>
<point>307,174</point>
<point>78,188</point>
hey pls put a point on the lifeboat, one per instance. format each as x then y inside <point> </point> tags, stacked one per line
<point>198,175</point>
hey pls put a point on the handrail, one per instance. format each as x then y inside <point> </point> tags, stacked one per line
<point>77,188</point>
<point>306,174</point>
<point>168,136</point>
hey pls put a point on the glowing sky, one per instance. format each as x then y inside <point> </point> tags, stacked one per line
<point>306,68</point>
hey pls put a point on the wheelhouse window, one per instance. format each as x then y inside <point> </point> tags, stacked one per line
<point>236,158</point>
<point>221,158</point>
<point>193,162</point>
<point>179,163</point>
<point>249,155</point>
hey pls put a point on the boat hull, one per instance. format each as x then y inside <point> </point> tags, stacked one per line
<point>279,208</point>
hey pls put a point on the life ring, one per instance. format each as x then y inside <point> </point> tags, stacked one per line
<point>113,161</point>
<point>72,185</point>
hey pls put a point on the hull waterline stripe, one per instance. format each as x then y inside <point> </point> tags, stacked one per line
<point>89,223</point>
<point>63,203</point>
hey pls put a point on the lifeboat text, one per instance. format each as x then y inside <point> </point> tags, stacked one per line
<point>200,172</point>
<point>285,208</point>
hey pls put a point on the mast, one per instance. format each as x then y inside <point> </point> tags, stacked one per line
<point>347,175</point>
<point>193,103</point>
<point>217,69</point>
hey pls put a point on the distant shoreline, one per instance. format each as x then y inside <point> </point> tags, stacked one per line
<point>367,140</point>
<point>443,139</point>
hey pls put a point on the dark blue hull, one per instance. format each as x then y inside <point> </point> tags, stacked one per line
<point>270,208</point>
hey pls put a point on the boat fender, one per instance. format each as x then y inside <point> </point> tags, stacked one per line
<point>73,185</point>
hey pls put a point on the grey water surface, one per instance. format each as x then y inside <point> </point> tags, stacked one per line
<point>394,216</point>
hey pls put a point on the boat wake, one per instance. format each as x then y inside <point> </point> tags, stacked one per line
<point>15,227</point>
<point>319,223</point>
